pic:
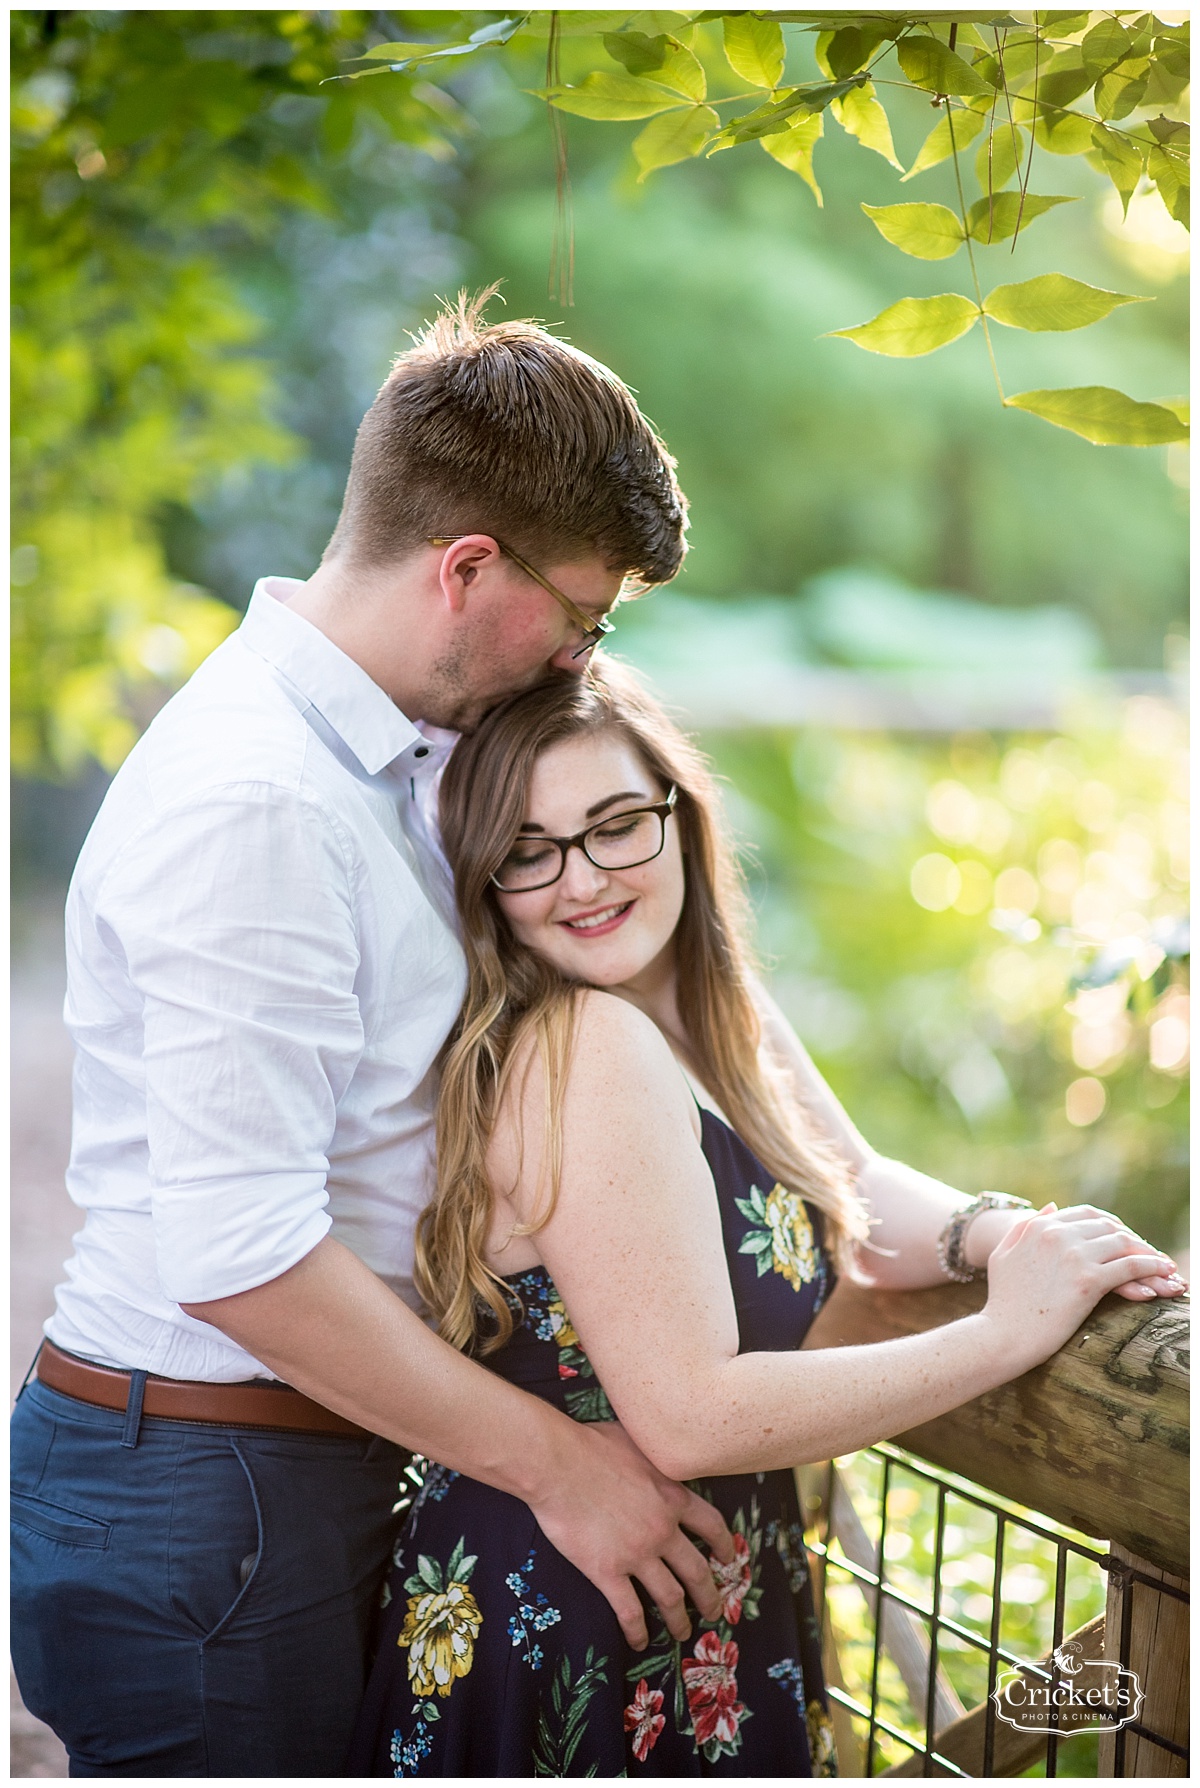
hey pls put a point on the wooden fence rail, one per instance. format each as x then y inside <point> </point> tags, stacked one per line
<point>1096,1438</point>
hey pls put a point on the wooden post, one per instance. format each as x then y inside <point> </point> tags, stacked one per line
<point>1096,1438</point>
<point>1156,1632</point>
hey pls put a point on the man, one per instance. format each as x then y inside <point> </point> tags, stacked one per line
<point>262,968</point>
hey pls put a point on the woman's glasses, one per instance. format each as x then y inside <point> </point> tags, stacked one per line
<point>621,841</point>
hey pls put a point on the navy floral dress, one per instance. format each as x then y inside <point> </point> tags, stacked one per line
<point>496,1657</point>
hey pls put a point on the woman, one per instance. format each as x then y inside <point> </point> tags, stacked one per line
<point>643,1191</point>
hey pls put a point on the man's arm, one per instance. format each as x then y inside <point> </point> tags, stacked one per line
<point>332,1329</point>
<point>235,913</point>
<point>910,1210</point>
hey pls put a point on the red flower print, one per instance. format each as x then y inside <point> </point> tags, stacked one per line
<point>566,1371</point>
<point>734,1579</point>
<point>711,1686</point>
<point>644,1720</point>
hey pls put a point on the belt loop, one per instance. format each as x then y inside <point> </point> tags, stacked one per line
<point>133,1408</point>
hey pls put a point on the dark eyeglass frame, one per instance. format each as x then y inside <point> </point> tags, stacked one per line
<point>592,628</point>
<point>663,809</point>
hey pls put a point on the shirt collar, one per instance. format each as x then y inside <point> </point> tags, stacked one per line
<point>357,709</point>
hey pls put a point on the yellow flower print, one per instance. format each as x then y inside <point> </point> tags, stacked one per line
<point>820,1741</point>
<point>791,1237</point>
<point>560,1323</point>
<point>782,1236</point>
<point>441,1625</point>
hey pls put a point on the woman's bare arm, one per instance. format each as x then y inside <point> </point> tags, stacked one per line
<point>908,1208</point>
<point>635,1248</point>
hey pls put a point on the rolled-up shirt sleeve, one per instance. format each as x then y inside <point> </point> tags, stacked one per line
<point>235,918</point>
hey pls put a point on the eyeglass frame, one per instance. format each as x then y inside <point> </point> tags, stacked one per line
<point>593,627</point>
<point>664,810</point>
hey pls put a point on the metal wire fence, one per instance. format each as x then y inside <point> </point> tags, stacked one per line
<point>933,1591</point>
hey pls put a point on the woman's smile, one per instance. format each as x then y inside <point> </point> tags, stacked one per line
<point>600,921</point>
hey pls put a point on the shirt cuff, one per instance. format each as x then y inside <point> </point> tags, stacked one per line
<point>216,1238</point>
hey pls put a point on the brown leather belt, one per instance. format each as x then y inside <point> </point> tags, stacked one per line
<point>246,1405</point>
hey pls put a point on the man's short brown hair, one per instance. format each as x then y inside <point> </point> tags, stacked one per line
<point>502,429</point>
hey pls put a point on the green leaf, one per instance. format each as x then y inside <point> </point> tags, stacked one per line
<point>937,146</point>
<point>929,64</point>
<point>612,96</point>
<point>1122,161</point>
<point>1106,417</point>
<point>636,52</point>
<point>999,219</point>
<point>681,71</point>
<point>429,1571</point>
<point>1064,133</point>
<point>754,1244</point>
<point>1104,44</point>
<point>851,48</point>
<point>676,136</point>
<point>799,101</point>
<point>754,48</point>
<point>1170,130</point>
<point>794,149</point>
<point>1052,301</point>
<point>860,115</point>
<point>1065,81</point>
<point>406,53</point>
<point>929,232</point>
<point>915,326</point>
<point>1118,94</point>
<point>1170,174</point>
<point>1000,155</point>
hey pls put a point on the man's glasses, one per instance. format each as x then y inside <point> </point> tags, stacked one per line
<point>620,842</point>
<point>592,629</point>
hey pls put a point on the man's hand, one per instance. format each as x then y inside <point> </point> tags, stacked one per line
<point>616,1518</point>
<point>329,1327</point>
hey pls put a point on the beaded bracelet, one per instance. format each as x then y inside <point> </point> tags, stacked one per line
<point>952,1243</point>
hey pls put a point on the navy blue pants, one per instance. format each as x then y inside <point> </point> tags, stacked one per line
<point>197,1603</point>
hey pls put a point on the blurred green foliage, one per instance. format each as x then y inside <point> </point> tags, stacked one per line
<point>978,939</point>
<point>152,151</point>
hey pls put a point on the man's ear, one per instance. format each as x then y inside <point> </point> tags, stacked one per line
<point>461,564</point>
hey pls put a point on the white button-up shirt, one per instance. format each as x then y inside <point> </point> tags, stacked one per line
<point>262,965</point>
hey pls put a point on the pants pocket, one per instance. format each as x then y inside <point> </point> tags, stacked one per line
<point>216,1537</point>
<point>68,1526</point>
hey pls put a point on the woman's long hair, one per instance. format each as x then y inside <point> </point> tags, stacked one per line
<point>513,994</point>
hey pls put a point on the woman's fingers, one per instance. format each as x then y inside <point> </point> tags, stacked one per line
<point>1124,1268</point>
<point>1115,1244</point>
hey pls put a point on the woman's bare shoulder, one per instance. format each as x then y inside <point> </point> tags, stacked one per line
<point>620,1070</point>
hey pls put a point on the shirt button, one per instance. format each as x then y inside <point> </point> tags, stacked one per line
<point>421,751</point>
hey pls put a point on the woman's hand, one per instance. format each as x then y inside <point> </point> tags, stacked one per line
<point>1054,1266</point>
<point>988,1229</point>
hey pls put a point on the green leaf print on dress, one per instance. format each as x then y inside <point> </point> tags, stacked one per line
<point>561,1726</point>
<point>781,1235</point>
<point>583,1396</point>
